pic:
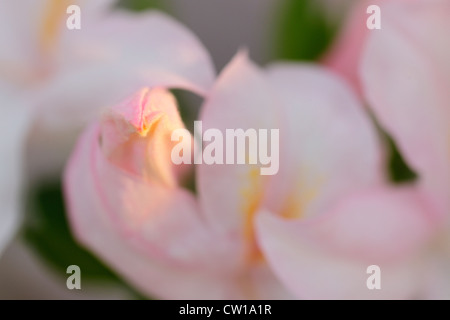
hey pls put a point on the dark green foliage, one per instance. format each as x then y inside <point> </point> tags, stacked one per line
<point>304,31</point>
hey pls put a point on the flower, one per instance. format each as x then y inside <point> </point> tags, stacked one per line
<point>65,77</point>
<point>413,50</point>
<point>337,214</point>
<point>401,71</point>
<point>309,231</point>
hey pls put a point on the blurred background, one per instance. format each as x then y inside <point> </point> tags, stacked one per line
<point>34,264</point>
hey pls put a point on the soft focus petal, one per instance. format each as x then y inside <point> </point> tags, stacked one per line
<point>330,147</point>
<point>29,27</point>
<point>19,21</point>
<point>327,257</point>
<point>406,73</point>
<point>149,231</point>
<point>231,194</point>
<point>145,45</point>
<point>345,54</point>
<point>13,129</point>
<point>138,140</point>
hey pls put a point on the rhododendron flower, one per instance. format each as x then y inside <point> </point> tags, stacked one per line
<point>309,231</point>
<point>66,76</point>
<point>402,71</point>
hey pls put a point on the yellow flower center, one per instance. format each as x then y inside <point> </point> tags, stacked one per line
<point>295,205</point>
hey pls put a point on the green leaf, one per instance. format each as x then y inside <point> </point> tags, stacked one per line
<point>304,31</point>
<point>141,5</point>
<point>399,171</point>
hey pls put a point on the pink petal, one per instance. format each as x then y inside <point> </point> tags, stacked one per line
<point>330,147</point>
<point>29,27</point>
<point>119,54</point>
<point>327,257</point>
<point>151,46</point>
<point>230,194</point>
<point>136,135</point>
<point>19,21</point>
<point>345,54</point>
<point>405,71</point>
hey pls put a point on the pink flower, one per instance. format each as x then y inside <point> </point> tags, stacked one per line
<point>310,231</point>
<point>402,71</point>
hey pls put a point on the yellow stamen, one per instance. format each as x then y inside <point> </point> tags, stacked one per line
<point>149,127</point>
<point>296,204</point>
<point>292,209</point>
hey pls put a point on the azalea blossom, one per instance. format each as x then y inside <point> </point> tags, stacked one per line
<point>309,231</point>
<point>402,72</point>
<point>65,77</point>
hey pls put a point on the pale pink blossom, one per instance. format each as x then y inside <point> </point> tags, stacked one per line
<point>403,73</point>
<point>308,232</point>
